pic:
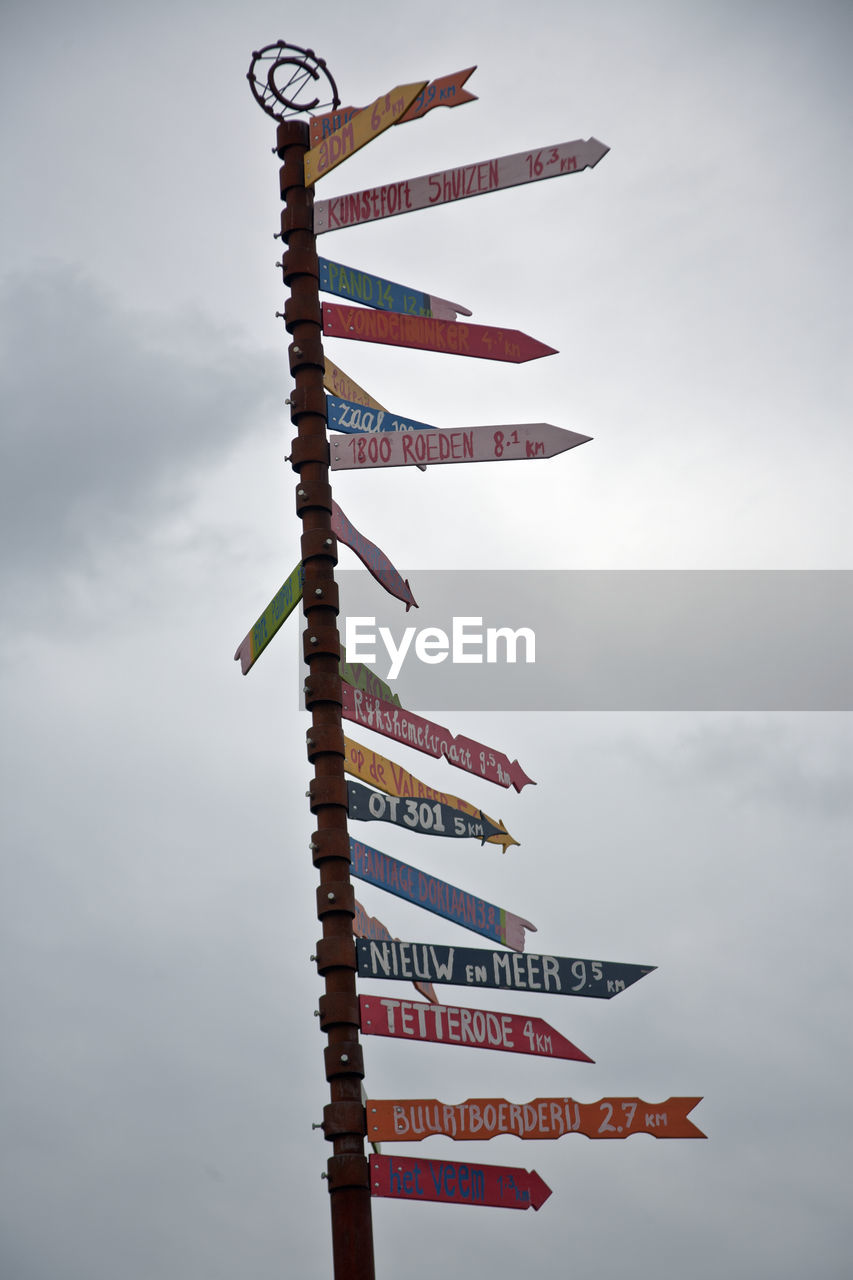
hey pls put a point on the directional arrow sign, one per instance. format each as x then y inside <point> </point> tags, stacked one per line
<point>361,677</point>
<point>432,739</point>
<point>341,384</point>
<point>365,926</point>
<point>370,767</point>
<point>473,1028</point>
<point>382,294</point>
<point>426,334</point>
<point>463,444</point>
<point>429,817</point>
<point>356,419</point>
<point>478,1119</point>
<point>447,185</point>
<point>437,896</point>
<point>363,128</point>
<point>446,91</point>
<point>469,967</point>
<point>280,607</point>
<point>502,1187</point>
<point>372,557</point>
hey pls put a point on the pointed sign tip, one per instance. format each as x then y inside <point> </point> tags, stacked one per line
<point>539,1190</point>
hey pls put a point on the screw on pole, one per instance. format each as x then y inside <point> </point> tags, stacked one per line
<point>281,75</point>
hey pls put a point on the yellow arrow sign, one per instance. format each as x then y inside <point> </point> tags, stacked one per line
<point>363,128</point>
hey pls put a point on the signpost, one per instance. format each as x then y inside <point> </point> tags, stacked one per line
<point>447,185</point>
<point>428,817</point>
<point>470,1028</point>
<point>361,129</point>
<point>432,739</point>
<point>478,1119</point>
<point>354,419</point>
<point>385,295</point>
<point>502,1187</point>
<point>463,444</point>
<point>364,763</point>
<point>436,895</point>
<point>470,967</point>
<point>372,557</point>
<point>446,91</point>
<point>341,384</point>
<point>426,334</point>
<point>280,607</point>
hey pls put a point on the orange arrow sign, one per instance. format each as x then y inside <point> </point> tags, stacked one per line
<point>478,1119</point>
<point>363,128</point>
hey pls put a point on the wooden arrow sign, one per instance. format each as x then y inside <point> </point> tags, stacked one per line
<point>465,444</point>
<point>341,384</point>
<point>355,419</point>
<point>361,129</point>
<point>478,1119</point>
<point>372,557</point>
<point>384,295</point>
<point>370,767</point>
<point>366,926</point>
<point>471,1028</point>
<point>502,1187</point>
<point>447,185</point>
<point>424,735</point>
<point>429,817</point>
<point>446,91</point>
<point>280,607</point>
<point>437,896</point>
<point>361,677</point>
<point>426,334</point>
<point>469,967</point>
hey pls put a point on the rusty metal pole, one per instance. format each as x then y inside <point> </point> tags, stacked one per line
<point>344,1116</point>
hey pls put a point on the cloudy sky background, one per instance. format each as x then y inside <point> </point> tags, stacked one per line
<point>161,1066</point>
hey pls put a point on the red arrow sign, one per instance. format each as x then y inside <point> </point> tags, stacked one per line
<point>456,184</point>
<point>372,557</point>
<point>478,1119</point>
<point>460,444</point>
<point>427,334</point>
<point>432,739</point>
<point>502,1187</point>
<point>473,1028</point>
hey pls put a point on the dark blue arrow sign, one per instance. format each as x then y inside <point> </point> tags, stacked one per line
<point>471,967</point>
<point>356,419</point>
<point>429,817</point>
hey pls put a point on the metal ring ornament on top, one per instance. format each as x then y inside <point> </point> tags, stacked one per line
<point>278,95</point>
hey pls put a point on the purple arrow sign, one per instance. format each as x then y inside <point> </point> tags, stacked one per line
<point>425,334</point>
<point>372,557</point>
<point>424,735</point>
<point>436,895</point>
<point>447,185</point>
<point>458,444</point>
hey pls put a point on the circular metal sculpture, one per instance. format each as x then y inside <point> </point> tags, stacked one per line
<point>280,72</point>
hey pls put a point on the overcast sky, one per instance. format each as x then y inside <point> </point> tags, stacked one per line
<point>161,1065</point>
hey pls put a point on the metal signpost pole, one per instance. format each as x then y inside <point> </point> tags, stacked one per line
<point>343,1117</point>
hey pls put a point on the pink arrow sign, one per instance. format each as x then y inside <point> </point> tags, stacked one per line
<point>414,731</point>
<point>365,926</point>
<point>372,557</point>
<point>459,444</point>
<point>427,334</point>
<point>447,185</point>
<point>473,1028</point>
<point>449,1182</point>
